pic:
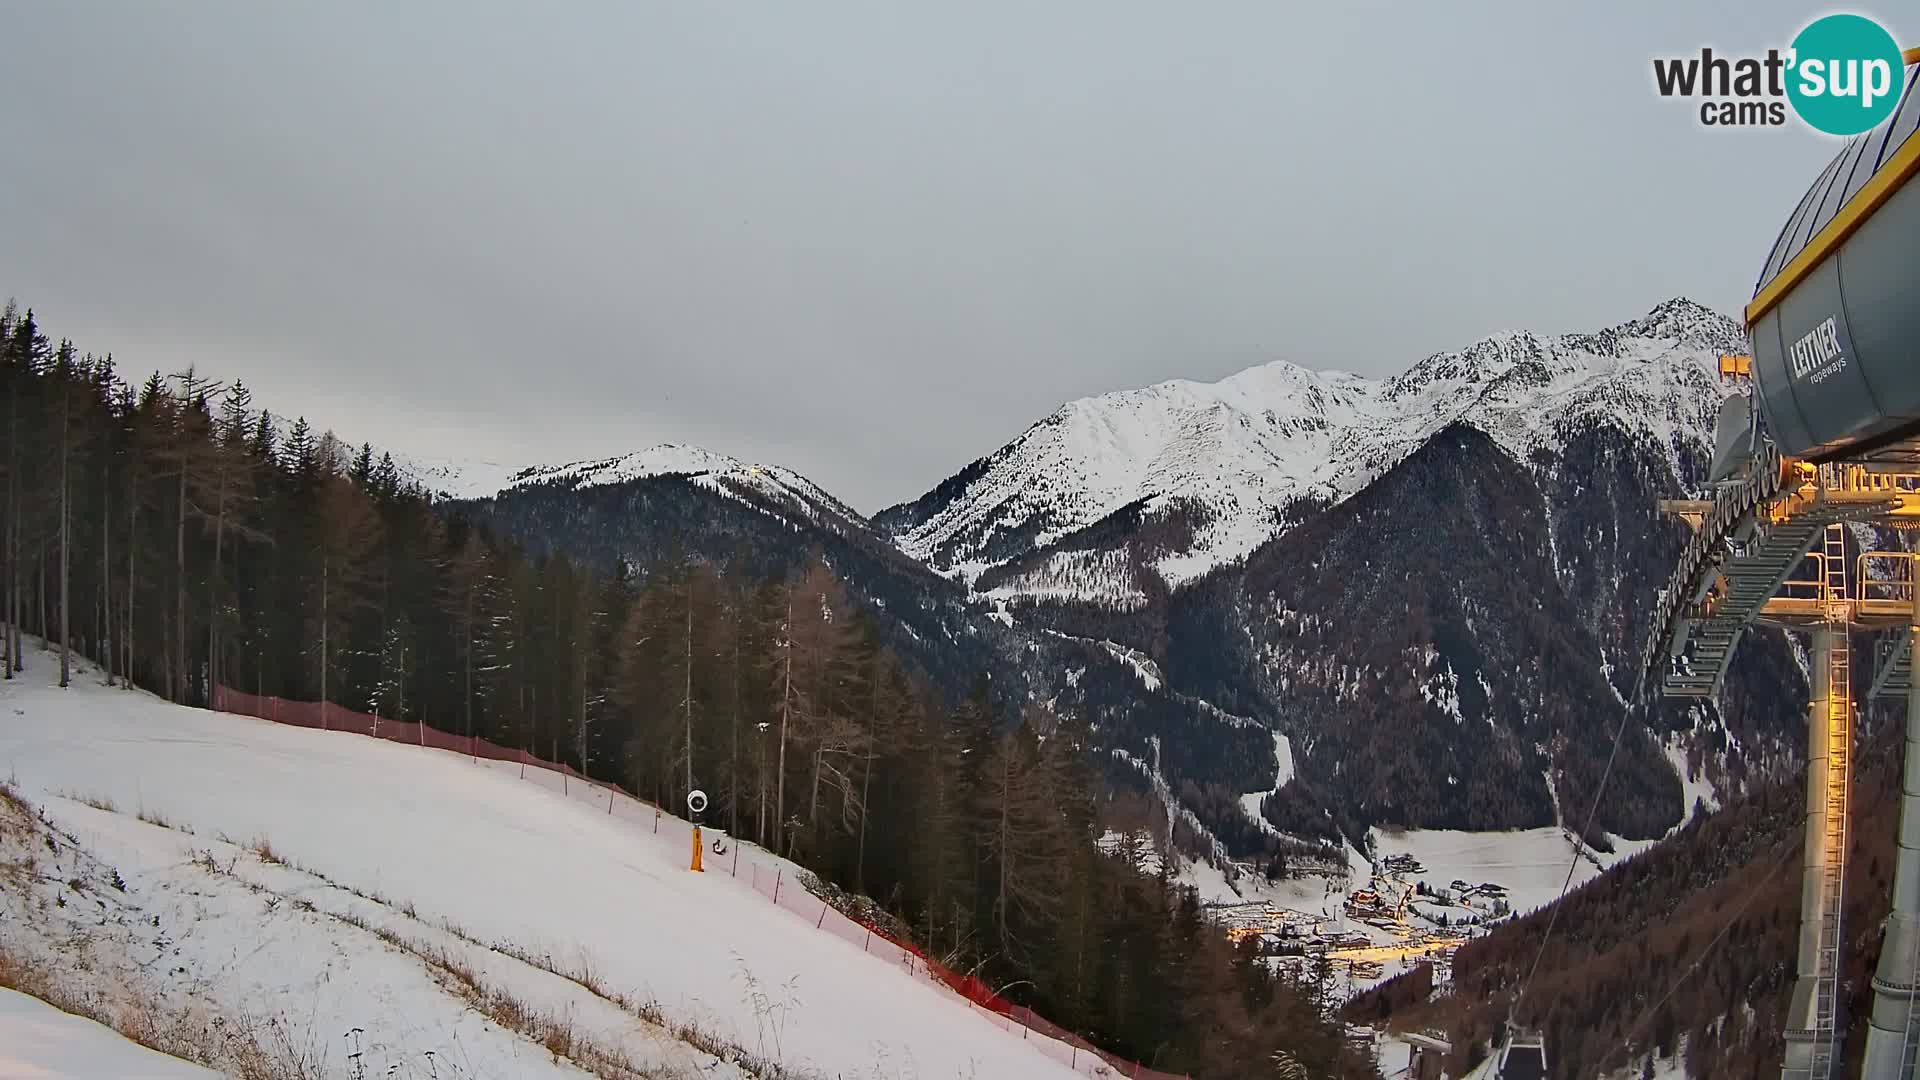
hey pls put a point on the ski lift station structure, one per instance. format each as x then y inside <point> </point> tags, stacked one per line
<point>1822,434</point>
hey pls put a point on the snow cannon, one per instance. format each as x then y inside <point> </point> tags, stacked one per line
<point>1835,317</point>
<point>696,805</point>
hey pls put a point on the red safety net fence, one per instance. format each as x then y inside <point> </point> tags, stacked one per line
<point>765,874</point>
<point>318,714</point>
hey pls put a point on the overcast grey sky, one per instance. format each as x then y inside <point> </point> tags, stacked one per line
<point>871,241</point>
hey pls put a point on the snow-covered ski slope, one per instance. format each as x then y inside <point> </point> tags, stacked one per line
<point>237,961</point>
<point>440,841</point>
<point>38,1040</point>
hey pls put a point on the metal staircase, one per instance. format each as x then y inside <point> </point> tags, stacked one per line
<point>1753,576</point>
<point>1734,510</point>
<point>1748,540</point>
<point>1893,665</point>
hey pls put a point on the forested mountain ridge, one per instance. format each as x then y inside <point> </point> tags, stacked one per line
<point>171,532</point>
<point>730,516</point>
<point>773,487</point>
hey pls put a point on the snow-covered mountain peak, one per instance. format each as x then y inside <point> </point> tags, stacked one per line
<point>1483,361</point>
<point>665,459</point>
<point>458,478</point>
<point>722,473</point>
<point>1689,324</point>
<point>1677,324</point>
<point>1241,450</point>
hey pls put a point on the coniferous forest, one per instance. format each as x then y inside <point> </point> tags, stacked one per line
<point>177,535</point>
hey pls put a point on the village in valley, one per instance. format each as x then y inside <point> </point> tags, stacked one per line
<point>1350,924</point>
<point>1366,926</point>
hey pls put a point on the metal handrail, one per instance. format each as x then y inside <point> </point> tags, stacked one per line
<point>1895,586</point>
<point>1803,589</point>
<point>1813,588</point>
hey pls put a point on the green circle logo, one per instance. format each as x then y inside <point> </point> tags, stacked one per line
<point>1845,75</point>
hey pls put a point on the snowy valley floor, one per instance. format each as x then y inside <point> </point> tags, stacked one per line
<point>328,905</point>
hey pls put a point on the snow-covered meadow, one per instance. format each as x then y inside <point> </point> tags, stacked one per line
<point>1530,864</point>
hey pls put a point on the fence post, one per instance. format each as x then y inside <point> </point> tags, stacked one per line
<point>822,920</point>
<point>867,944</point>
<point>736,856</point>
<point>776,884</point>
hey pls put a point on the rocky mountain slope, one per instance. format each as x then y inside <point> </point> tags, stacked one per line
<point>1442,649</point>
<point>1182,477</point>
